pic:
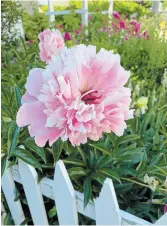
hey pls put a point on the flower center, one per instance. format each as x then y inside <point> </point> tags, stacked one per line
<point>92,96</point>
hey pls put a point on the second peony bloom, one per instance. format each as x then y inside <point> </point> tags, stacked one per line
<point>79,95</point>
<point>51,42</point>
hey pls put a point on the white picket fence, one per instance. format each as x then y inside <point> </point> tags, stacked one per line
<point>104,210</point>
<point>84,11</point>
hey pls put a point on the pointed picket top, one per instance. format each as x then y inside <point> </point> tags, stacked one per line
<point>9,190</point>
<point>33,193</point>
<point>64,196</point>
<point>106,206</point>
<point>162,220</point>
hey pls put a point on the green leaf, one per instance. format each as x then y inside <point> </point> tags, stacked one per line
<point>52,212</point>
<point>73,161</point>
<point>77,171</point>
<point>130,147</point>
<point>100,148</point>
<point>8,220</point>
<point>69,148</point>
<point>104,161</point>
<point>98,177</point>
<point>29,143</point>
<point>83,155</point>
<point>123,188</point>
<point>25,221</point>
<point>27,157</point>
<point>48,166</point>
<point>131,156</point>
<point>24,200</point>
<point>123,171</point>
<point>128,138</point>
<point>156,159</point>
<point>143,162</point>
<point>3,164</point>
<point>16,53</point>
<point>57,149</point>
<point>111,137</point>
<point>87,187</point>
<point>17,195</point>
<point>110,173</point>
<point>18,96</point>
<point>13,135</point>
<point>21,83</point>
<point>164,172</point>
<point>12,163</point>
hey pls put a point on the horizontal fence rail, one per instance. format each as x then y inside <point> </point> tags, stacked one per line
<point>77,11</point>
<point>104,209</point>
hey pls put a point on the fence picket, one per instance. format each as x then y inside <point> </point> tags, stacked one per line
<point>106,206</point>
<point>64,196</point>
<point>162,220</point>
<point>33,193</point>
<point>51,9</point>
<point>9,190</point>
<point>85,12</point>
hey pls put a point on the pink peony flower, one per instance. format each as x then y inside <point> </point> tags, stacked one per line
<point>165,209</point>
<point>50,44</point>
<point>79,95</point>
<point>145,35</point>
<point>67,36</point>
<point>122,24</point>
<point>116,15</point>
<point>137,27</point>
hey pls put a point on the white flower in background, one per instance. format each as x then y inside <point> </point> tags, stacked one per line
<point>165,183</point>
<point>142,102</point>
<point>141,105</point>
<point>164,78</point>
<point>151,181</point>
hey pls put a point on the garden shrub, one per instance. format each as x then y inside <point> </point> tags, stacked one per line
<point>11,13</point>
<point>34,24</point>
<point>130,7</point>
<point>126,7</point>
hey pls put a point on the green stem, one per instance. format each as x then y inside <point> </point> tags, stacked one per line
<point>144,185</point>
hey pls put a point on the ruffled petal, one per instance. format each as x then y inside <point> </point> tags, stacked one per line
<point>34,82</point>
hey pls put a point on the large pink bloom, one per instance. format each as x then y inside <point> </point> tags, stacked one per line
<point>79,95</point>
<point>50,44</point>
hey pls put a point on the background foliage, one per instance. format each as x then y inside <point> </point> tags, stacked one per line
<point>11,13</point>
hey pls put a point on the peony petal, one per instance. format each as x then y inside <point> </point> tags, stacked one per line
<point>85,112</point>
<point>57,118</point>
<point>34,82</point>
<point>27,98</point>
<point>30,113</point>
